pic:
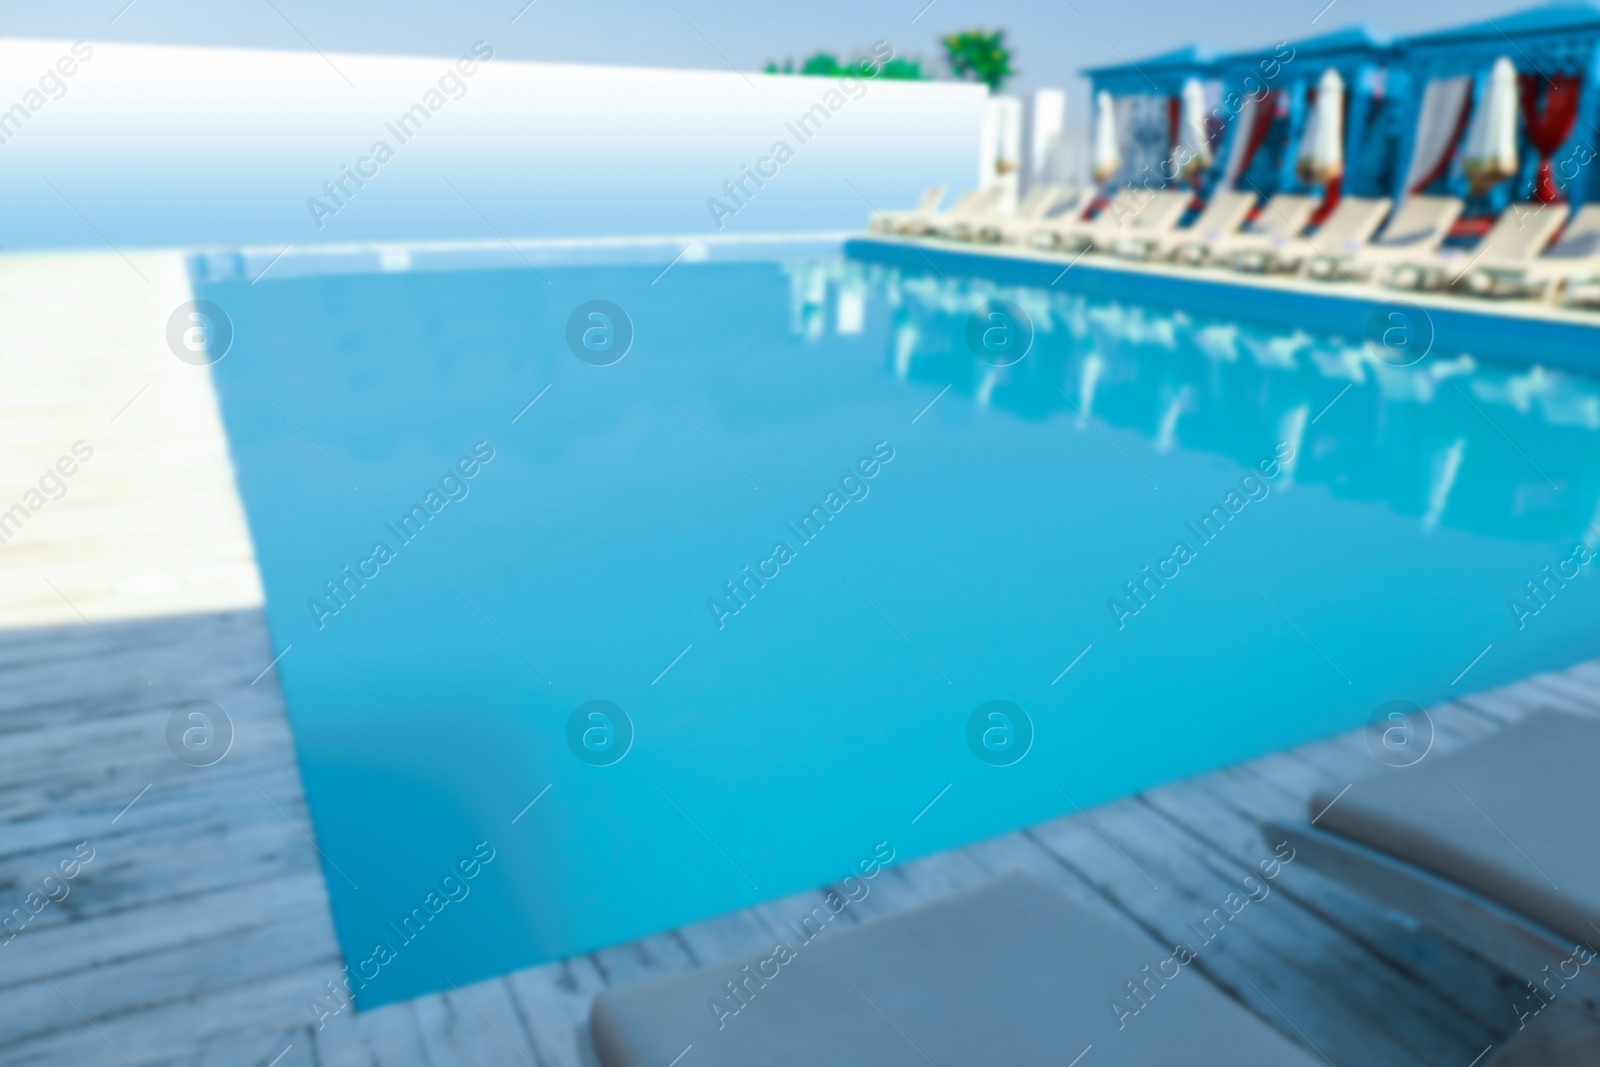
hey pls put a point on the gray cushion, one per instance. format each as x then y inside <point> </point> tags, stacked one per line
<point>1009,973</point>
<point>1511,818</point>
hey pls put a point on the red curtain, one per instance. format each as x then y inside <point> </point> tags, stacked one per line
<point>1266,114</point>
<point>1330,200</point>
<point>1548,127</point>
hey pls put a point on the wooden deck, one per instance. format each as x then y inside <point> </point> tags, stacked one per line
<point>199,931</point>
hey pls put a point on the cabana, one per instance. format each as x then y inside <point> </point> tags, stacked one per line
<point>1151,124</point>
<point>1313,116</point>
<point>1504,111</point>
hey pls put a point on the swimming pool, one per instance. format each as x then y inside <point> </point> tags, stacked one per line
<point>604,617</point>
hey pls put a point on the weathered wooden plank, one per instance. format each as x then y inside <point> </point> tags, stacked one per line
<point>216,800</point>
<point>146,980</point>
<point>643,959</point>
<point>179,973</point>
<point>290,1049</point>
<point>83,357</point>
<point>478,1026</point>
<point>230,1014</point>
<point>1568,693</point>
<point>162,924</point>
<point>1162,875</point>
<point>555,1000</point>
<point>171,865</point>
<point>1471,985</point>
<point>385,1037</point>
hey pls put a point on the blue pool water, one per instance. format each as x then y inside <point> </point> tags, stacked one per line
<point>983,525</point>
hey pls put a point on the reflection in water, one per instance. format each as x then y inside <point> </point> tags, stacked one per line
<point>1458,441</point>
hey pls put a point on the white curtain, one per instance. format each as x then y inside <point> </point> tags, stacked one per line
<point>1107,159</point>
<point>1243,123</point>
<point>1144,136</point>
<point>1491,152</point>
<point>1193,153</point>
<point>1049,116</point>
<point>1437,121</point>
<point>1321,156</point>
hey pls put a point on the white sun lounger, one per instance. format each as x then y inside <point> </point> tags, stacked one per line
<point>976,224</point>
<point>1491,846</point>
<point>894,221</point>
<point>1223,214</point>
<point>1283,219</point>
<point>974,202</point>
<point>1349,225</point>
<point>1067,205</point>
<point>1036,204</point>
<point>1153,213</point>
<point>1061,232</point>
<point>1571,265</point>
<point>974,208</point>
<point>1416,228</point>
<point>1520,233</point>
<point>1008,973</point>
<point>1160,208</point>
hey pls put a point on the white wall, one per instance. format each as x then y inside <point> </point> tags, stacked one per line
<point>177,147</point>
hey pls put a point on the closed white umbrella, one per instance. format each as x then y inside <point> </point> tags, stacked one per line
<point>1107,160</point>
<point>1194,146</point>
<point>1491,154</point>
<point>1321,156</point>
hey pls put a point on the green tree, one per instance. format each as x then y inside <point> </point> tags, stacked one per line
<point>979,56</point>
<point>825,64</point>
<point>902,70</point>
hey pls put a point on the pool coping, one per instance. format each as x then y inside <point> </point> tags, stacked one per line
<point>1500,329</point>
<point>662,251</point>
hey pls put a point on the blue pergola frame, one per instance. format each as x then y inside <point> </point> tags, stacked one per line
<point>1561,38</point>
<point>1355,52</point>
<point>1161,75</point>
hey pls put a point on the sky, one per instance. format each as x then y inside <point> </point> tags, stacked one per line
<point>1051,39</point>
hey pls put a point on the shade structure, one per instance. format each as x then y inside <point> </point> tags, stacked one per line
<point>1107,159</point>
<point>1555,50</point>
<point>1145,132</point>
<point>1491,151</point>
<point>1321,156</point>
<point>1279,96</point>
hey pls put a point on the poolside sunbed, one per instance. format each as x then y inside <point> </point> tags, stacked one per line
<point>1067,207</point>
<point>1283,219</point>
<point>1062,231</point>
<point>1520,233</point>
<point>987,218</point>
<point>1038,203</point>
<point>1572,262</point>
<point>894,221</point>
<point>1490,846</point>
<point>973,202</point>
<point>1415,229</point>
<point>1223,214</point>
<point>1149,214</point>
<point>976,207</point>
<point>1008,973</point>
<point>1350,225</point>
<point>1076,232</point>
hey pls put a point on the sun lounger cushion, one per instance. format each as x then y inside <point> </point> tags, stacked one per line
<point>1009,973</point>
<point>1511,818</point>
